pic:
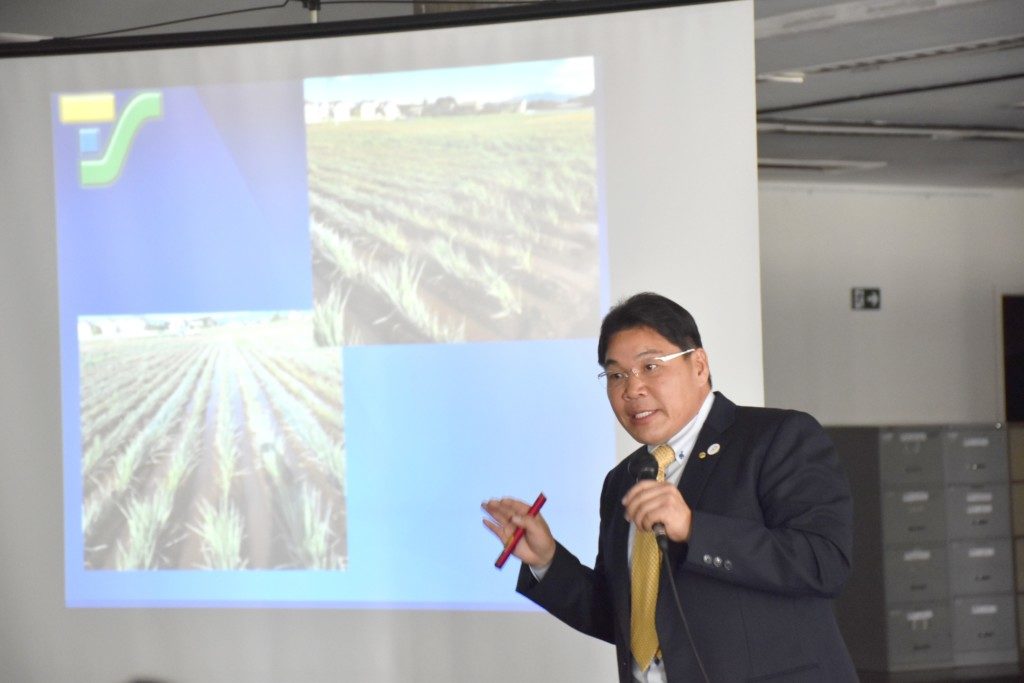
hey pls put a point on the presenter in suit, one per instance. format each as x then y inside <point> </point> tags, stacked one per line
<point>754,505</point>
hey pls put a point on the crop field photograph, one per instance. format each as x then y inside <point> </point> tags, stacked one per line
<point>210,441</point>
<point>454,205</point>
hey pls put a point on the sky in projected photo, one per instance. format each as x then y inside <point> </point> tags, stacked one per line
<point>572,77</point>
<point>291,315</point>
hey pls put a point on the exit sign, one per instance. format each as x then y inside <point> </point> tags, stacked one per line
<point>865,298</point>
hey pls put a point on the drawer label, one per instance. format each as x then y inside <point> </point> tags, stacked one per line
<point>915,497</point>
<point>984,609</point>
<point>979,509</point>
<point>913,437</point>
<point>979,497</point>
<point>920,615</point>
<point>974,553</point>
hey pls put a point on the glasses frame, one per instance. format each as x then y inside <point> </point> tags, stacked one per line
<point>635,371</point>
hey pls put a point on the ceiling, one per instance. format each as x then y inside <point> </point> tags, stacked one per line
<point>924,92</point>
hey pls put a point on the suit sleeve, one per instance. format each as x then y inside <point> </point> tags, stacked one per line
<point>803,542</point>
<point>573,592</point>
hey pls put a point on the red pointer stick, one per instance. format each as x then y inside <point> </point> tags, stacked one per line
<point>518,535</point>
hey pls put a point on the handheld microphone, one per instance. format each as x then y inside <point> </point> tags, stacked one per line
<point>647,468</point>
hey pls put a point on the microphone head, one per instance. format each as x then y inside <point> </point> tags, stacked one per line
<point>645,467</point>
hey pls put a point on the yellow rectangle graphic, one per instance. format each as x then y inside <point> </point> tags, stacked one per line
<point>93,108</point>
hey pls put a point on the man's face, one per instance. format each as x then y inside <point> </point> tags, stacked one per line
<point>653,408</point>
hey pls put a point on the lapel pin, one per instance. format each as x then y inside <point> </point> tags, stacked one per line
<point>702,455</point>
<point>714,448</point>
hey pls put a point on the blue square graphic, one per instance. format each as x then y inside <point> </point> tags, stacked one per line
<point>88,140</point>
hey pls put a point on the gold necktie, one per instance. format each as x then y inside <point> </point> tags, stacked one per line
<point>643,638</point>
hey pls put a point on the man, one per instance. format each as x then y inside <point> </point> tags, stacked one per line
<point>754,505</point>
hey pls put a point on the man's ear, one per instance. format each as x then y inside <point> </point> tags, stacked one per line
<point>701,359</point>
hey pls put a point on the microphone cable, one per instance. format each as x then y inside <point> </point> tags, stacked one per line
<point>663,546</point>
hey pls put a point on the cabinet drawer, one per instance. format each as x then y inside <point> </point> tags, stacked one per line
<point>1017,505</point>
<point>1018,552</point>
<point>980,567</point>
<point>1015,436</point>
<point>974,456</point>
<point>910,457</point>
<point>913,515</point>
<point>984,623</point>
<point>919,635</point>
<point>916,574</point>
<point>1020,621</point>
<point>980,511</point>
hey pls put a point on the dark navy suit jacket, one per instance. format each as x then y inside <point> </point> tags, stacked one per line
<point>770,546</point>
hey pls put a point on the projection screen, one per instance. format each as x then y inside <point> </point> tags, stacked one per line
<point>280,314</point>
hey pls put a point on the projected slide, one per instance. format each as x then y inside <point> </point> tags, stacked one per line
<point>293,315</point>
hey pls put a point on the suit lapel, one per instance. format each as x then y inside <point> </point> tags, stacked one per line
<point>620,533</point>
<point>712,440</point>
<point>620,542</point>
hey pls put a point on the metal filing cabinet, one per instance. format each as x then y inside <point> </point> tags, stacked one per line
<point>1016,448</point>
<point>980,545</point>
<point>933,579</point>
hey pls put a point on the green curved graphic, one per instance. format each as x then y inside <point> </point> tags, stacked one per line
<point>103,171</point>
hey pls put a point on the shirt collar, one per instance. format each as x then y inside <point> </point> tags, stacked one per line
<point>683,440</point>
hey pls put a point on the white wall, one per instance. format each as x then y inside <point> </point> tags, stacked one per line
<point>942,257</point>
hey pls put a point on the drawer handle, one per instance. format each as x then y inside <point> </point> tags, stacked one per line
<point>918,527</point>
<point>918,586</point>
<point>979,522</point>
<point>986,634</point>
<point>926,646</point>
<point>977,466</point>
<point>982,577</point>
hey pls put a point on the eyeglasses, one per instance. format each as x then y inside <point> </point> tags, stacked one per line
<point>647,371</point>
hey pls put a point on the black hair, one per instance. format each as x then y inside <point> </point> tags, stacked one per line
<point>647,309</point>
